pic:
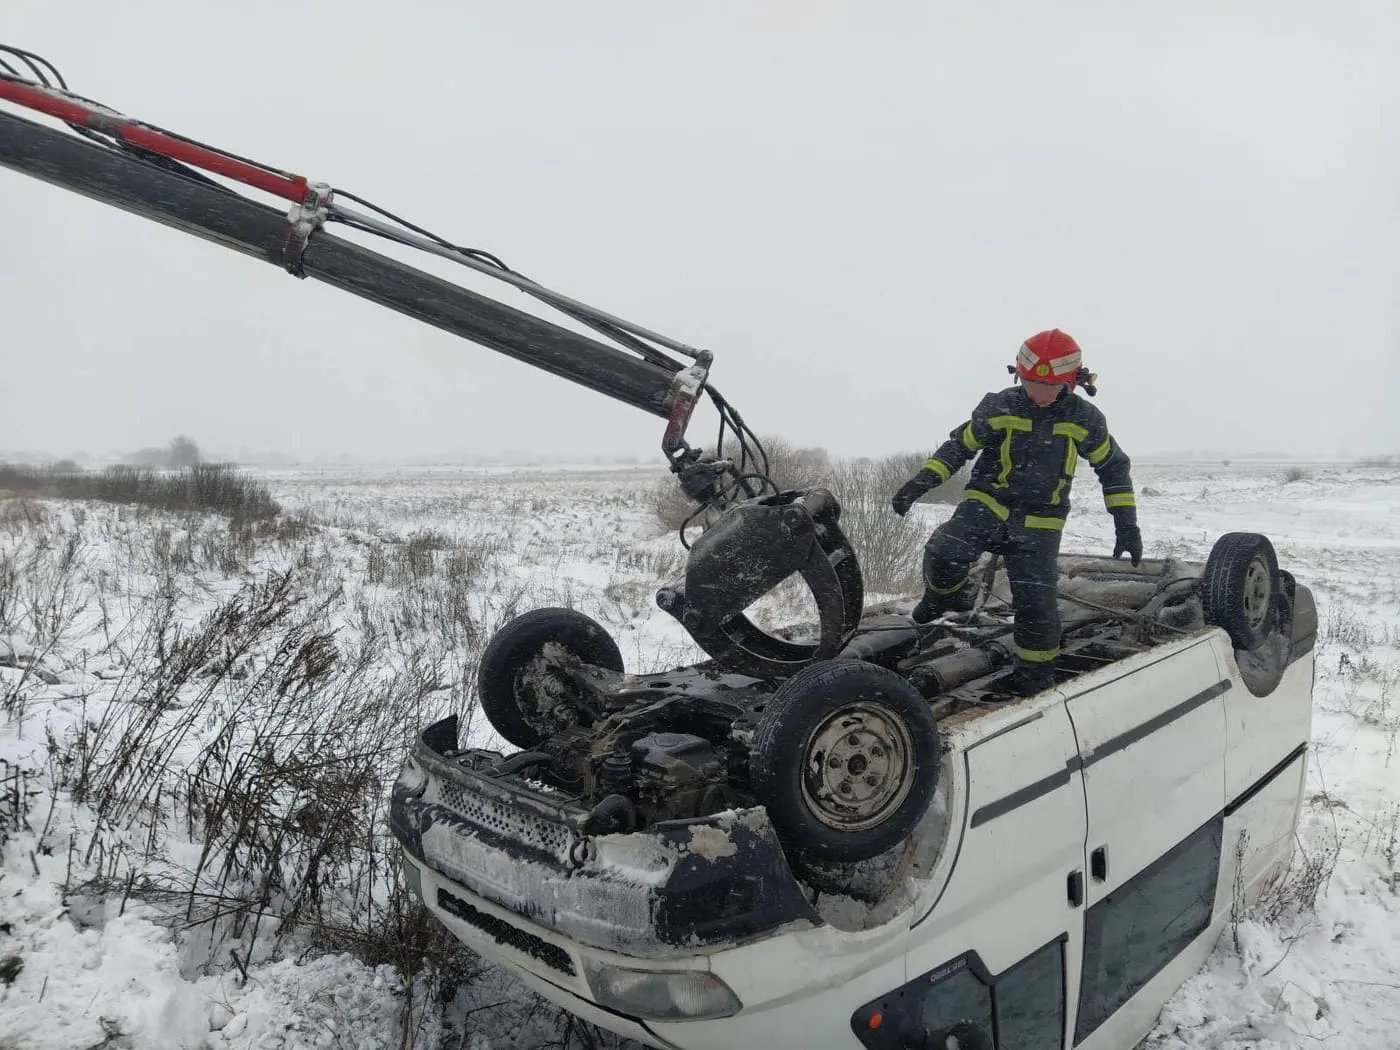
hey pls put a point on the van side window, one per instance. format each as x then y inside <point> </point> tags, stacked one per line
<point>1030,1002</point>
<point>1141,926</point>
<point>960,1005</point>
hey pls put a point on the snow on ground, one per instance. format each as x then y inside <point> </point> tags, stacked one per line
<point>1328,977</point>
<point>126,633</point>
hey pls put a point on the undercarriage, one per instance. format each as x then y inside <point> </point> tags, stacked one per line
<point>629,751</point>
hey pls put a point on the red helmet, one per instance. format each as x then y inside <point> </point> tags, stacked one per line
<point>1050,357</point>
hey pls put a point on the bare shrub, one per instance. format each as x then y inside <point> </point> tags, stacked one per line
<point>411,939</point>
<point>418,555</point>
<point>376,562</point>
<point>793,467</point>
<point>434,579</point>
<point>653,563</point>
<point>1237,888</point>
<point>1343,625</point>
<point>9,590</point>
<point>173,550</point>
<point>213,487</point>
<point>1310,866</point>
<point>1389,827</point>
<point>467,562</point>
<point>17,792</point>
<point>50,590</point>
<point>669,505</point>
<point>226,550</point>
<point>16,515</point>
<point>287,797</point>
<point>894,470</point>
<point>265,730</point>
<point>1309,871</point>
<point>1294,473</point>
<point>44,592</point>
<point>889,547</point>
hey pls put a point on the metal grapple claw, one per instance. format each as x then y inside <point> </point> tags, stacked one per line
<point>749,550</point>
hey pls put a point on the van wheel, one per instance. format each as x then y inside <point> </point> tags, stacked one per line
<point>845,758</point>
<point>521,706</point>
<point>1240,587</point>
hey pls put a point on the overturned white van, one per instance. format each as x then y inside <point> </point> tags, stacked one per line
<point>879,851</point>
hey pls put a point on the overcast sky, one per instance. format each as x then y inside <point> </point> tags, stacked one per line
<point>861,208</point>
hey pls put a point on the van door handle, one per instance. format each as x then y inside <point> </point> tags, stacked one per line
<point>1075,887</point>
<point>1098,864</point>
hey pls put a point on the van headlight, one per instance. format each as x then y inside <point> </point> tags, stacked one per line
<point>661,995</point>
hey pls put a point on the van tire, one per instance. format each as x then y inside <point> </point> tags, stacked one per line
<point>1240,588</point>
<point>510,651</point>
<point>845,758</point>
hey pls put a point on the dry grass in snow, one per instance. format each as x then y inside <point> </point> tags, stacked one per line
<point>202,714</point>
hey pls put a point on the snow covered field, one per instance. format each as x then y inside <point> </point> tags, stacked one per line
<point>198,723</point>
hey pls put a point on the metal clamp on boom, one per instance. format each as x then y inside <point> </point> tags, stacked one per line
<point>303,220</point>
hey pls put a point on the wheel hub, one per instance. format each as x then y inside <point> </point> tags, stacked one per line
<point>857,767</point>
<point>1258,589</point>
<point>547,698</point>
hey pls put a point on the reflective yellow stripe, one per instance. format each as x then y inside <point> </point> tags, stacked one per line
<point>938,467</point>
<point>1010,424</point>
<point>944,591</point>
<point>1073,431</point>
<point>995,506</point>
<point>1119,499</point>
<point>1037,656</point>
<point>1071,462</point>
<point>969,439</point>
<point>1101,453</point>
<point>1038,521</point>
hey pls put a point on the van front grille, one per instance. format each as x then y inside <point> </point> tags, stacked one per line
<point>503,932</point>
<point>510,823</point>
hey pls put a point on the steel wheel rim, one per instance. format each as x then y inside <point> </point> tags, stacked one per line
<point>1258,588</point>
<point>857,767</point>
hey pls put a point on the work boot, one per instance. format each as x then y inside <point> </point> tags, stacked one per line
<point>931,606</point>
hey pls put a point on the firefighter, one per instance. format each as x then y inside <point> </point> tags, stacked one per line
<point>1028,440</point>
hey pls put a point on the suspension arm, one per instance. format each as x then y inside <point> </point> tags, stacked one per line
<point>217,214</point>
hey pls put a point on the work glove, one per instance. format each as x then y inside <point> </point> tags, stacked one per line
<point>1127,537</point>
<point>912,489</point>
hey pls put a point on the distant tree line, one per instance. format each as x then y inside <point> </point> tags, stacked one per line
<point>173,478</point>
<point>181,452</point>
